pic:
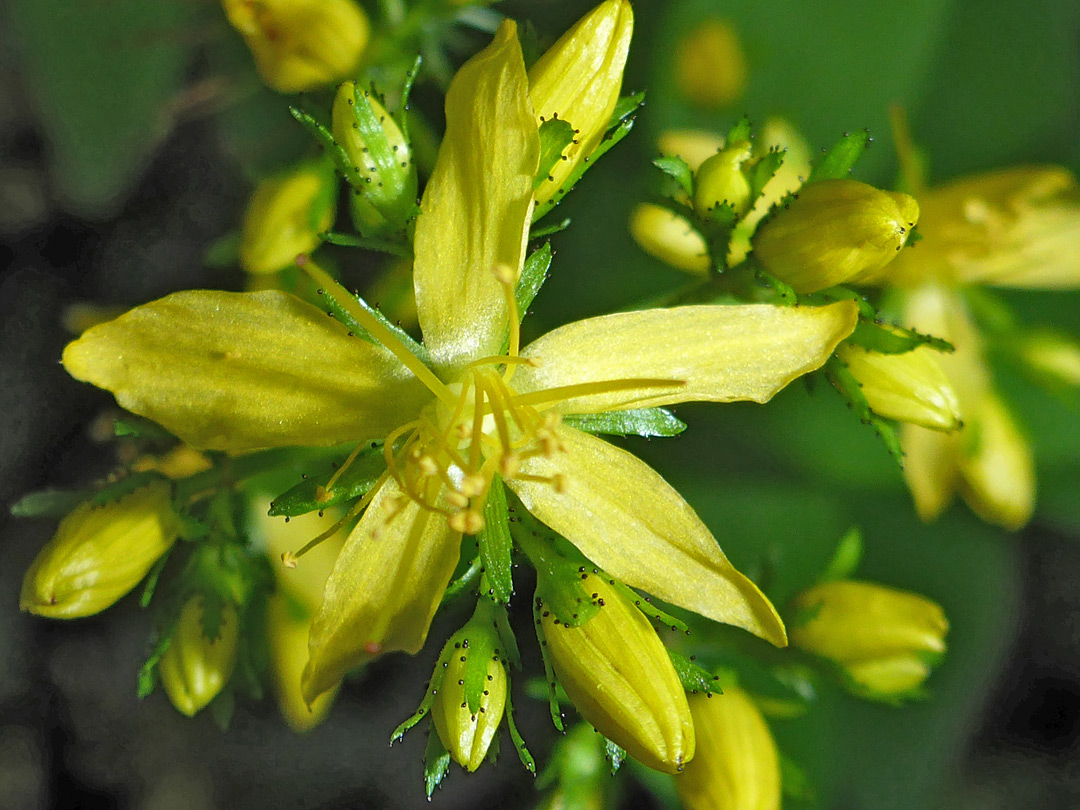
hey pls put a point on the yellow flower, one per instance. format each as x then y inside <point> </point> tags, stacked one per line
<point>737,766</point>
<point>1015,227</point>
<point>301,45</point>
<point>710,68</point>
<point>99,553</point>
<point>620,678</point>
<point>285,217</point>
<point>578,79</point>
<point>196,668</point>
<point>885,640</point>
<point>241,371</point>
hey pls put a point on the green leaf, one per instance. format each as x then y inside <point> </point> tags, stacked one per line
<point>555,135</point>
<point>844,382</point>
<point>496,546</point>
<point>533,275</point>
<point>436,763</point>
<point>845,153</point>
<point>102,78</point>
<point>314,493</point>
<point>677,168</point>
<point>647,422</point>
<point>888,339</point>
<point>51,503</point>
<point>343,315</point>
<point>846,558</point>
<point>694,678</point>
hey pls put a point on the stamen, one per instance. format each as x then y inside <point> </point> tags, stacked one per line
<point>561,393</point>
<point>290,558</point>
<point>502,359</point>
<point>507,279</point>
<point>467,522</point>
<point>325,493</point>
<point>383,335</point>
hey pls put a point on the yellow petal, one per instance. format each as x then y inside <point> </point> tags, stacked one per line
<point>240,371</point>
<point>287,638</point>
<point>578,79</point>
<point>930,469</point>
<point>476,209</point>
<point>669,237</point>
<point>632,523</point>
<point>996,466</point>
<point>384,589</point>
<point>710,67</point>
<point>722,353</point>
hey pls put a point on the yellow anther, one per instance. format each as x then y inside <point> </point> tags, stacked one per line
<point>508,464</point>
<point>504,274</point>
<point>323,495</point>
<point>558,481</point>
<point>456,499</point>
<point>473,486</point>
<point>427,466</point>
<point>467,522</point>
<point>288,559</point>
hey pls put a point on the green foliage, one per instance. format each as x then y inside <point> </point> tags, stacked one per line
<point>312,494</point>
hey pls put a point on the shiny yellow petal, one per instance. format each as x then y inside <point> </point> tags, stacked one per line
<point>384,589</point>
<point>930,469</point>
<point>578,79</point>
<point>997,469</point>
<point>629,521</point>
<point>287,637</point>
<point>476,209</point>
<point>721,353</point>
<point>240,371</point>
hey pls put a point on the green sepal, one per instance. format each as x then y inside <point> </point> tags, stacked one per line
<point>397,205</point>
<point>844,382</point>
<point>887,339</point>
<point>615,754</point>
<point>191,528</point>
<point>406,91</point>
<point>429,696</point>
<point>694,678</point>
<point>831,295</point>
<point>555,135</point>
<point>839,160</point>
<point>342,314</point>
<point>548,230</point>
<point>677,169</point>
<point>138,428</point>
<point>763,169</point>
<point>367,243</point>
<point>741,130</point>
<point>353,483</point>
<point>646,606</point>
<point>466,582</point>
<point>625,107</point>
<point>222,708</point>
<point>515,735</point>
<point>784,294</point>
<point>549,671</point>
<point>436,764</point>
<point>147,677</point>
<point>534,273</point>
<point>511,653</point>
<point>845,558</point>
<point>51,503</point>
<point>125,486</point>
<point>647,422</point>
<point>152,579</point>
<point>323,135</point>
<point>481,638</point>
<point>496,547</point>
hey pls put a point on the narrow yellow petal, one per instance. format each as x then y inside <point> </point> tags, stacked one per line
<point>632,523</point>
<point>997,469</point>
<point>578,79</point>
<point>240,371</point>
<point>384,589</point>
<point>287,638</point>
<point>722,353</point>
<point>930,469</point>
<point>476,209</point>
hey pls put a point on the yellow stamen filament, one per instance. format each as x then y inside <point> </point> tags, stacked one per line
<point>325,493</point>
<point>377,330</point>
<point>507,280</point>
<point>561,393</point>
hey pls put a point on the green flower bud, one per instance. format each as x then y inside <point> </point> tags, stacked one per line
<point>833,232</point>
<point>722,179</point>
<point>467,731</point>
<point>195,668</point>
<point>885,640</point>
<point>383,170</point>
<point>99,553</point>
<point>285,217</point>
<point>618,674</point>
<point>907,387</point>
<point>736,766</point>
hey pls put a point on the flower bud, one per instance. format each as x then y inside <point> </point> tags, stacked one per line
<point>710,68</point>
<point>285,217</point>
<point>287,626</point>
<point>722,179</point>
<point>195,668</point>
<point>467,732</point>
<point>694,146</point>
<point>668,237</point>
<point>618,674</point>
<point>907,387</point>
<point>885,640</point>
<point>578,79</point>
<point>301,45</point>
<point>99,553</point>
<point>736,766</point>
<point>833,232</point>
<point>383,170</point>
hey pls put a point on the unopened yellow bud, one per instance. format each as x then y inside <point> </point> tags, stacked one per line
<point>885,640</point>
<point>99,553</point>
<point>619,676</point>
<point>736,766</point>
<point>285,217</point>
<point>467,734</point>
<point>301,45</point>
<point>195,668</point>
<point>694,146</point>
<point>907,387</point>
<point>834,232</point>
<point>669,238</point>
<point>383,169</point>
<point>578,80</point>
<point>710,67</point>
<point>722,179</point>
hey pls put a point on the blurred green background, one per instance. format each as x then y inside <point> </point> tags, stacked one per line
<point>129,135</point>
